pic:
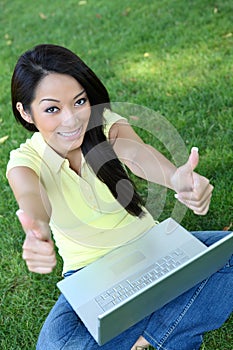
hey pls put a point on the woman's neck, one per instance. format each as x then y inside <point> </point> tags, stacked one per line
<point>75,160</point>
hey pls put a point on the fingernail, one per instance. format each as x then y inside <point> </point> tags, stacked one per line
<point>195,149</point>
<point>19,211</point>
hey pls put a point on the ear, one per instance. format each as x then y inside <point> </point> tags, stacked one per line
<point>23,113</point>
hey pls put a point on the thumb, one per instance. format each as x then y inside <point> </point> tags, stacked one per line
<point>35,227</point>
<point>192,161</point>
<point>184,181</point>
<point>193,158</point>
<point>25,220</point>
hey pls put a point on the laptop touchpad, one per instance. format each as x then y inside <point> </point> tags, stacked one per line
<point>127,262</point>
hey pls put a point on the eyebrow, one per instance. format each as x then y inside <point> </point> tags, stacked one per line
<point>54,100</point>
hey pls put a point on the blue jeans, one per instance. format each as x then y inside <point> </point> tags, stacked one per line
<point>180,324</point>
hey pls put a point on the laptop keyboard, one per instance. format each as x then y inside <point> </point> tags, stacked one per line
<point>136,282</point>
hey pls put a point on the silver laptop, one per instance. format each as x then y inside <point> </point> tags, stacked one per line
<point>132,281</point>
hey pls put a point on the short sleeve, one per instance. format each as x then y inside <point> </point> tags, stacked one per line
<point>110,118</point>
<point>25,156</point>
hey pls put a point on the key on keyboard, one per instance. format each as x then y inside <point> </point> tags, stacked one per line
<point>134,283</point>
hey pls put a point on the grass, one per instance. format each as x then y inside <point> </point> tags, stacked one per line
<point>174,57</point>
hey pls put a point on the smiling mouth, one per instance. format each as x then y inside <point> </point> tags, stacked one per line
<point>76,132</point>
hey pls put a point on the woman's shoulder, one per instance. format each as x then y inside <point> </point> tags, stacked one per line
<point>31,145</point>
<point>27,154</point>
<point>110,118</point>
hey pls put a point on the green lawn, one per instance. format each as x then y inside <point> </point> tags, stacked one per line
<point>174,57</point>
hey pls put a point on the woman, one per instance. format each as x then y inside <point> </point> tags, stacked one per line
<point>70,177</point>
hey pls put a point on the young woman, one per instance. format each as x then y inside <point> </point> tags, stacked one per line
<point>70,177</point>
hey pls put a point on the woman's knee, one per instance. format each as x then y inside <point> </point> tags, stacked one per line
<point>210,237</point>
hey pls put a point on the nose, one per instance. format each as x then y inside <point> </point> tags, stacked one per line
<point>69,118</point>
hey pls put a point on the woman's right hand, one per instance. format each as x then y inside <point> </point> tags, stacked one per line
<point>38,248</point>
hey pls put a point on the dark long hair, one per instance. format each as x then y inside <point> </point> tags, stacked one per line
<point>44,59</point>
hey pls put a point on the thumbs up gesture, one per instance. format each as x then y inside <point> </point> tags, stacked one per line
<point>192,189</point>
<point>38,248</point>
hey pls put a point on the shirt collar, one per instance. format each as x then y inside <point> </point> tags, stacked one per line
<point>47,154</point>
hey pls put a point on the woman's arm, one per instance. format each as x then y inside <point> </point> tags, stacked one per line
<point>29,193</point>
<point>34,215</point>
<point>143,160</point>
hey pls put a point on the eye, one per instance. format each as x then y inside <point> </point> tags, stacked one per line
<point>51,109</point>
<point>81,101</point>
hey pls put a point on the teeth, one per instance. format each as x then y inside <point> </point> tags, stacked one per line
<point>67,134</point>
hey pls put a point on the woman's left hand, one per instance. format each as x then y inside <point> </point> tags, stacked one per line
<point>192,189</point>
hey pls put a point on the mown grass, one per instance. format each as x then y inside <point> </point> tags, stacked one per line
<point>174,57</point>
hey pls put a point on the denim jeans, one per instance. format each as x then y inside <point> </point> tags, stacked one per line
<point>180,324</point>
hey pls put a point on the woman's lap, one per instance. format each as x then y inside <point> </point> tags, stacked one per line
<point>178,325</point>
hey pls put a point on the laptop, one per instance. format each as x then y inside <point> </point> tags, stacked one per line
<point>130,282</point>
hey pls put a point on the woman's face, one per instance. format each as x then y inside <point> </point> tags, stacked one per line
<point>61,111</point>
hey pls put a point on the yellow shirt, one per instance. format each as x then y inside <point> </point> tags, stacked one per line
<point>86,219</point>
